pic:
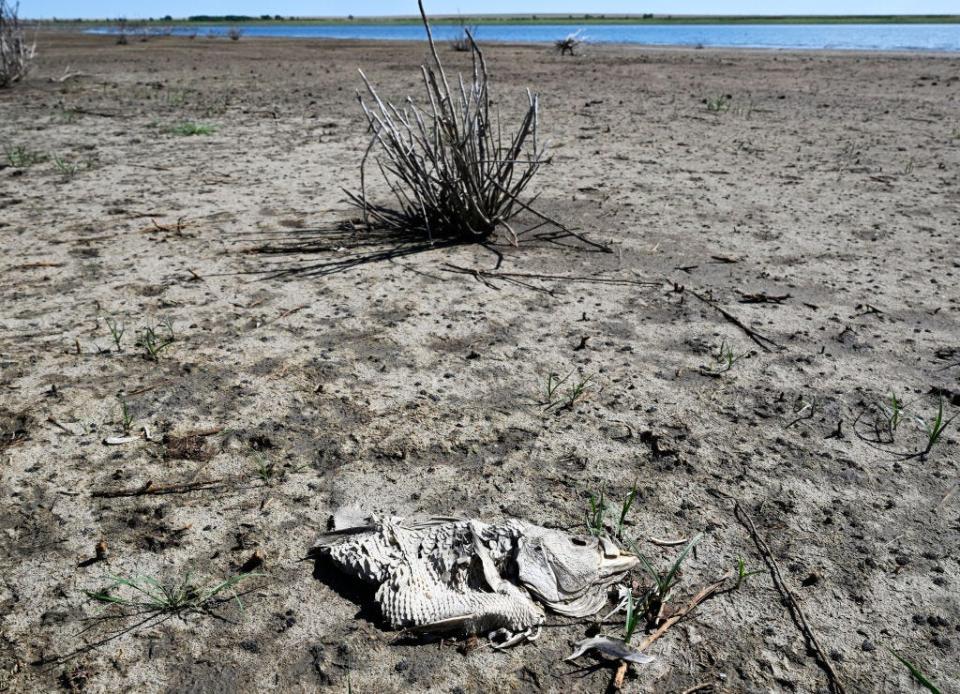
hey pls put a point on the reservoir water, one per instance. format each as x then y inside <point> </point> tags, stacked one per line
<point>873,37</point>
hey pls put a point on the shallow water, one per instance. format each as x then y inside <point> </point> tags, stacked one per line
<point>884,37</point>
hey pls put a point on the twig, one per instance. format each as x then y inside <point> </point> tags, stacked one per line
<point>765,343</point>
<point>149,489</point>
<point>288,312</point>
<point>484,275</point>
<point>800,619</point>
<point>67,75</point>
<point>601,246</point>
<point>102,114</point>
<point>704,593</point>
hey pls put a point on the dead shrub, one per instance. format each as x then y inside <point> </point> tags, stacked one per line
<point>16,52</point>
<point>455,171</point>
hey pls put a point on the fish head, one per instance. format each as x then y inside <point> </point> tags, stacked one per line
<point>569,574</point>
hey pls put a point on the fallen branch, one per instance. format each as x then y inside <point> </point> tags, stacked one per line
<point>67,75</point>
<point>150,489</point>
<point>799,618</point>
<point>486,275</point>
<point>765,343</point>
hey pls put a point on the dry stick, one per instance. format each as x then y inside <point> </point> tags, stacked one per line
<point>149,488</point>
<point>704,593</point>
<point>288,312</point>
<point>764,343</point>
<point>796,612</point>
<point>450,267</point>
<point>603,247</point>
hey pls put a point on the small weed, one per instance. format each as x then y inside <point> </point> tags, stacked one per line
<point>718,104</point>
<point>598,509</point>
<point>175,98</point>
<point>67,169</point>
<point>21,157</point>
<point>724,359</point>
<point>126,417</point>
<point>934,430</point>
<point>663,583</point>
<point>625,509</point>
<point>189,129</point>
<point>632,620</point>
<point>553,385</point>
<point>743,574</point>
<point>265,469</point>
<point>916,673</point>
<point>68,115</point>
<point>116,332</point>
<point>153,343</point>
<point>150,595</point>
<point>894,412</point>
<point>575,392</point>
<point>596,518</point>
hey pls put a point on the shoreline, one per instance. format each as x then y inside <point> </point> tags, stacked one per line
<point>600,45</point>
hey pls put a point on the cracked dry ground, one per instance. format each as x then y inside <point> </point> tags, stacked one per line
<point>819,208</point>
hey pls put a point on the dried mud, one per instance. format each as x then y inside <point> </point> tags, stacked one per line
<point>820,207</point>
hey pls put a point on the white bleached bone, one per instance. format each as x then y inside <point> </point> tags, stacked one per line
<point>611,648</point>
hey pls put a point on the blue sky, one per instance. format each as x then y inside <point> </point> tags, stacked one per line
<point>183,8</point>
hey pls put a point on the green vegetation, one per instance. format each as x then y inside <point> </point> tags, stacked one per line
<point>126,416</point>
<point>934,429</point>
<point>598,509</point>
<point>265,469</point>
<point>724,359</point>
<point>596,518</point>
<point>624,510</point>
<point>190,129</point>
<point>916,673</point>
<point>717,104</point>
<point>632,621</point>
<point>743,574</point>
<point>116,332</point>
<point>576,391</point>
<point>150,595</point>
<point>21,157</point>
<point>664,582</point>
<point>153,343</point>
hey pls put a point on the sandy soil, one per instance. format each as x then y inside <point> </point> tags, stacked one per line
<point>819,207</point>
